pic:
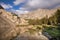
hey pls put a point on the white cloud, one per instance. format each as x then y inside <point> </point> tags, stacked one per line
<point>19,11</point>
<point>32,4</point>
<point>41,3</point>
<point>6,6</point>
<point>16,2</point>
<point>35,4</point>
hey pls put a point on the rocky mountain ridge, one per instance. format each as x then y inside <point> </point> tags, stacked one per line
<point>38,14</point>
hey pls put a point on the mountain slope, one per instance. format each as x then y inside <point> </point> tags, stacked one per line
<point>7,27</point>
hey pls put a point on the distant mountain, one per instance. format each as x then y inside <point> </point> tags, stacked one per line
<point>38,14</point>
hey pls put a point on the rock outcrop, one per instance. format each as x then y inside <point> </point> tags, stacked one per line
<point>7,27</point>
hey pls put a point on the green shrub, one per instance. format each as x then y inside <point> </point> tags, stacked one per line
<point>54,32</point>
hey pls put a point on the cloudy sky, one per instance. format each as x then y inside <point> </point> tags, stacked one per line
<point>24,6</point>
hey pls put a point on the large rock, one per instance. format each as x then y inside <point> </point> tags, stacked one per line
<point>7,27</point>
